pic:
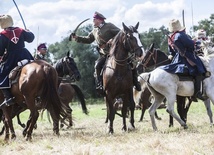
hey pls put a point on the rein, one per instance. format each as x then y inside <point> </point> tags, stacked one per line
<point>122,62</point>
<point>153,56</point>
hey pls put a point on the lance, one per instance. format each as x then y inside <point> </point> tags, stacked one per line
<point>20,14</point>
<point>75,30</point>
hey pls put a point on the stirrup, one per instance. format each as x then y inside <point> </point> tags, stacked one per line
<point>8,102</point>
<point>201,97</point>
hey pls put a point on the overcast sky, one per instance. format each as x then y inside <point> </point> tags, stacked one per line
<point>51,20</point>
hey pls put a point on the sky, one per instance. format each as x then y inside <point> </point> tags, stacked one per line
<point>53,20</point>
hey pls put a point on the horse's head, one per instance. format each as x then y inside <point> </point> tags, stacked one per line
<point>153,58</point>
<point>67,66</point>
<point>132,42</point>
<point>148,59</point>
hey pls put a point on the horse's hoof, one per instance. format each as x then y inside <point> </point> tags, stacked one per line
<point>24,133</point>
<point>13,137</point>
<point>23,125</point>
<point>185,126</point>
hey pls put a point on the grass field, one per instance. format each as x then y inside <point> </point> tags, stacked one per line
<point>89,135</point>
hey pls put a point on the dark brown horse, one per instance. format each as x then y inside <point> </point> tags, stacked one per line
<point>68,72</point>
<point>155,58</point>
<point>37,79</point>
<point>117,75</point>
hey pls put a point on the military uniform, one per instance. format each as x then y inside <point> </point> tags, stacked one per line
<point>102,34</point>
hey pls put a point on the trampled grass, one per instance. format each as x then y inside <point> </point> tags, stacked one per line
<point>89,135</point>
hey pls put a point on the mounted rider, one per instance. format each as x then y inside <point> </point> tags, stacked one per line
<point>199,39</point>
<point>103,33</point>
<point>41,51</point>
<point>12,51</point>
<point>185,61</point>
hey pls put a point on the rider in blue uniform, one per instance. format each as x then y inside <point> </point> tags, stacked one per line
<point>12,50</point>
<point>185,61</point>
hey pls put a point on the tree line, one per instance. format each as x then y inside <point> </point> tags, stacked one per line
<point>85,55</point>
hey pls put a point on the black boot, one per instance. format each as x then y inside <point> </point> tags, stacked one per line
<point>136,83</point>
<point>99,86</point>
<point>8,98</point>
<point>197,93</point>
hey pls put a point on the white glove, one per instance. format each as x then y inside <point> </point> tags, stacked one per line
<point>170,57</point>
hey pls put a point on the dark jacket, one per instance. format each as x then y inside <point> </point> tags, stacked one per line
<point>101,35</point>
<point>184,58</point>
<point>12,43</point>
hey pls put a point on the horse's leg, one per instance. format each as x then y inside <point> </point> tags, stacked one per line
<point>170,121</point>
<point>156,116</point>
<point>111,113</point>
<point>24,133</point>
<point>34,117</point>
<point>158,99</point>
<point>55,119</point>
<point>181,101</point>
<point>9,123</point>
<point>124,113</point>
<point>69,112</point>
<point>19,121</point>
<point>131,106</point>
<point>7,131</point>
<point>209,111</point>
<point>170,109</point>
<point>143,109</point>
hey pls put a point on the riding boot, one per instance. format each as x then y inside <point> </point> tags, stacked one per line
<point>99,86</point>
<point>98,78</point>
<point>136,83</point>
<point>197,85</point>
<point>8,98</point>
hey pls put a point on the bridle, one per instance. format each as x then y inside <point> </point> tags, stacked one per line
<point>132,50</point>
<point>152,55</point>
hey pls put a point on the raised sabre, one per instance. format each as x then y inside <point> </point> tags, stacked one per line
<point>75,30</point>
<point>20,14</point>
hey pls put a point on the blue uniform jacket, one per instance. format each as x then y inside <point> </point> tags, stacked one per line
<point>179,64</point>
<point>12,40</point>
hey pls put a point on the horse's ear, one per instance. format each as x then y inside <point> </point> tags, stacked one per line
<point>137,25</point>
<point>125,28</point>
<point>68,53</point>
<point>151,47</point>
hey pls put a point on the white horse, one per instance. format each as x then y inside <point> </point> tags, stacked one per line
<point>163,84</point>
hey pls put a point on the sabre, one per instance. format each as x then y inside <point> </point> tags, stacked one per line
<point>20,14</point>
<point>73,33</point>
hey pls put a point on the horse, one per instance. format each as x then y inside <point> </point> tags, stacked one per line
<point>166,85</point>
<point>153,59</point>
<point>37,79</point>
<point>117,74</point>
<point>66,66</point>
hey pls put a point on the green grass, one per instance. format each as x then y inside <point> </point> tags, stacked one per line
<point>89,135</point>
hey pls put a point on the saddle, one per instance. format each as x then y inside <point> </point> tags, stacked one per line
<point>15,73</point>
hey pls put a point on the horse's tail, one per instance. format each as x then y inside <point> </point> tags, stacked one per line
<point>49,94</point>
<point>81,98</point>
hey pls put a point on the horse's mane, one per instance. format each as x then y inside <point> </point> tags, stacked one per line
<point>115,42</point>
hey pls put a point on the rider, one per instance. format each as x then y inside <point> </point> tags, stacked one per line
<point>200,37</point>
<point>41,51</point>
<point>102,33</point>
<point>12,50</point>
<point>185,61</point>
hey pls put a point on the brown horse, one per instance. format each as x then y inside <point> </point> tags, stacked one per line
<point>155,58</point>
<point>117,74</point>
<point>66,66</point>
<point>38,79</point>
